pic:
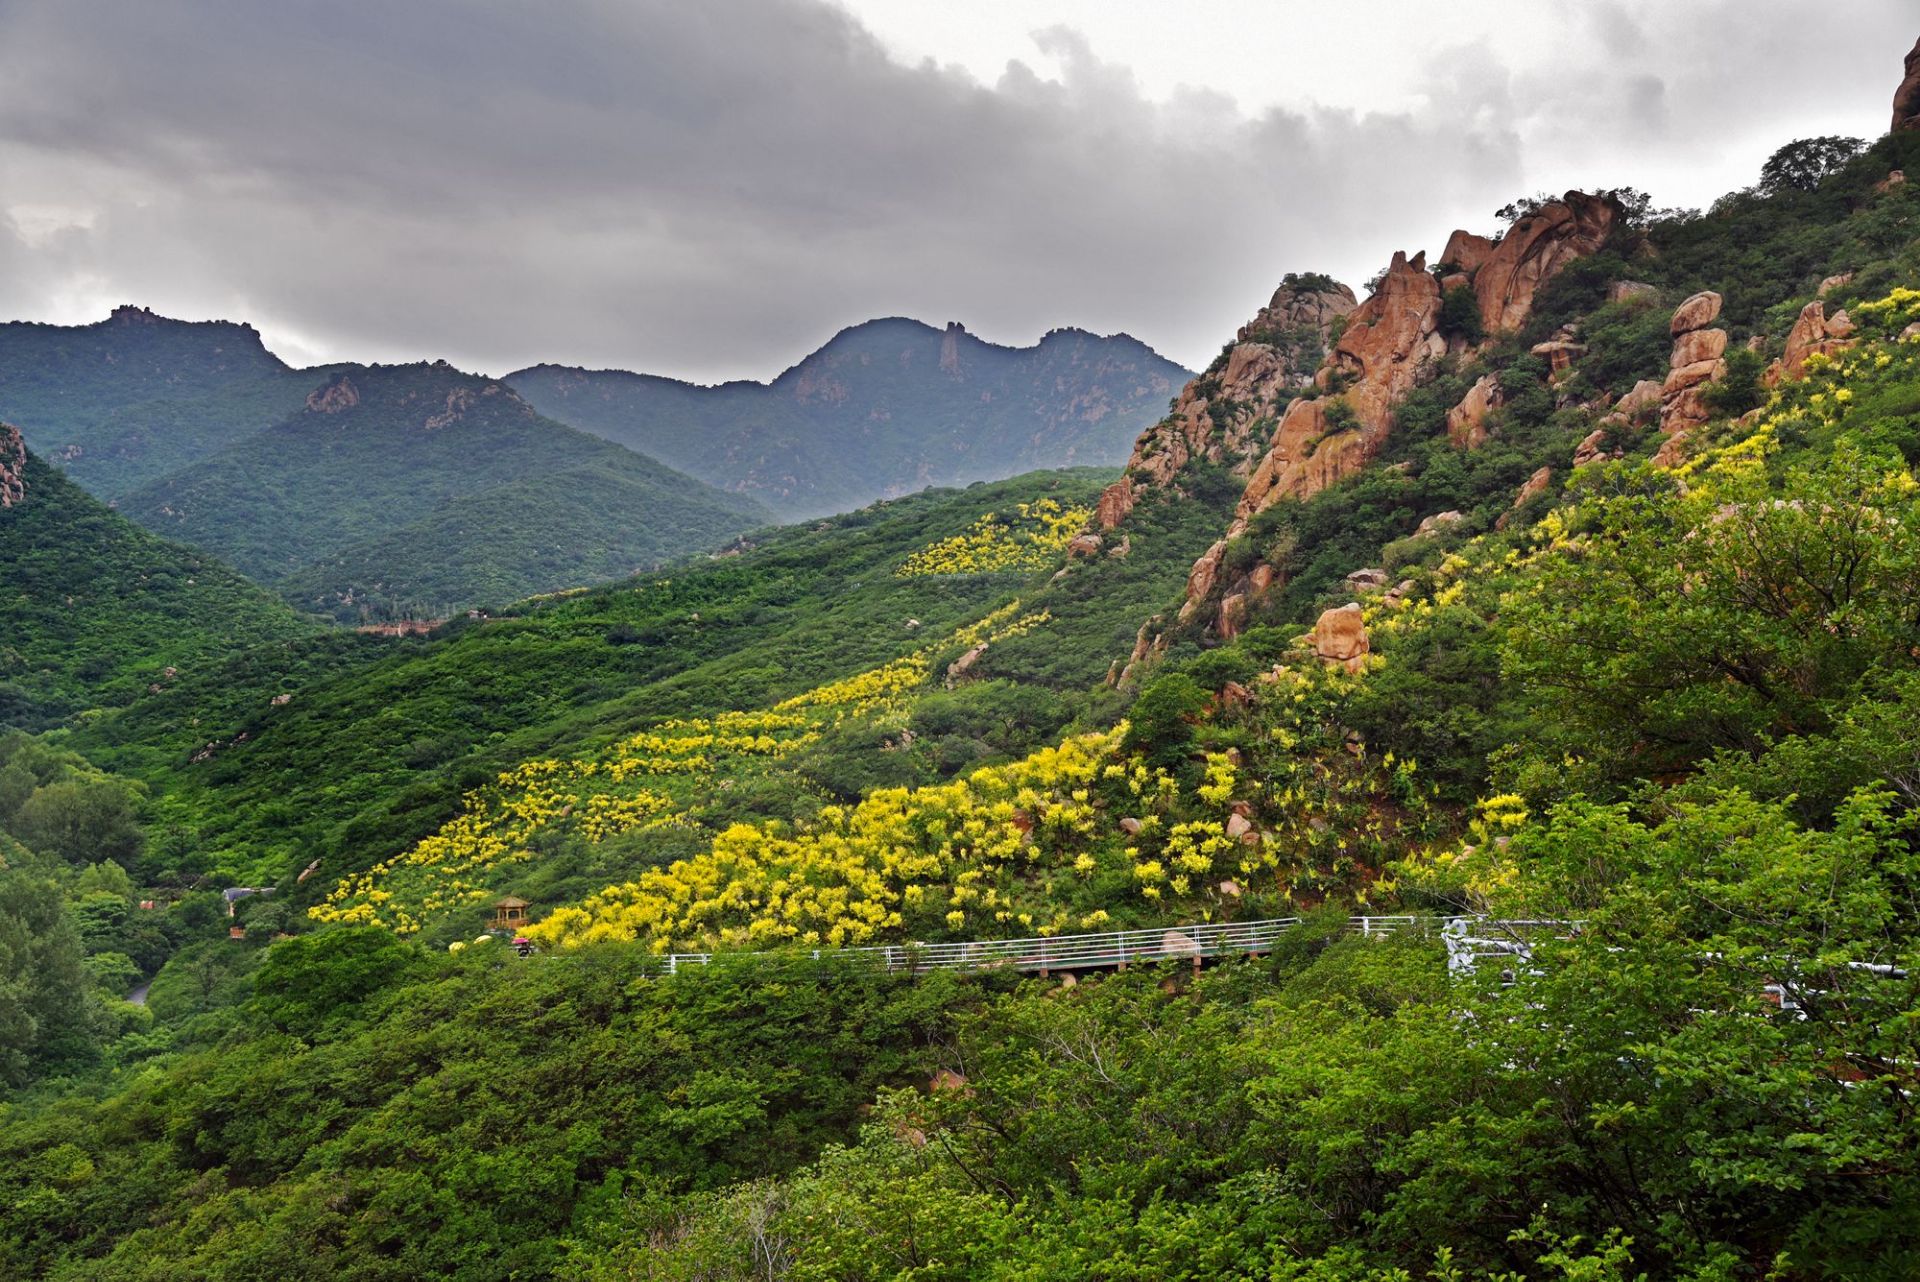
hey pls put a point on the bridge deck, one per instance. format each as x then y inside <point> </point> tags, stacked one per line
<point>1114,949</point>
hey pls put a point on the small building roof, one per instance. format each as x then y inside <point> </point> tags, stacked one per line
<point>511,901</point>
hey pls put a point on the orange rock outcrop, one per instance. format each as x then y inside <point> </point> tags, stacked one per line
<point>1533,250</point>
<point>1340,637</point>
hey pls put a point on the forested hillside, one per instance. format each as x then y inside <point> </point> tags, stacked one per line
<point>1563,587</point>
<point>885,408</point>
<point>415,491</point>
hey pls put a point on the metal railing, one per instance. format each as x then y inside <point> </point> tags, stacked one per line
<point>1119,948</point>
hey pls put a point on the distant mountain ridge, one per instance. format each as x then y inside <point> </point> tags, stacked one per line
<point>435,490</point>
<point>883,408</point>
<point>130,398</point>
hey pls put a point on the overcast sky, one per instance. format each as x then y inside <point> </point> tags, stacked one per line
<point>711,188</point>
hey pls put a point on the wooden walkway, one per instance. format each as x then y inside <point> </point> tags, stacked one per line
<point>1469,940</point>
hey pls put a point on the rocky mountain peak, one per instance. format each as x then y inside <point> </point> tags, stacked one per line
<point>13,465</point>
<point>1302,301</point>
<point>1533,250</point>
<point>950,348</point>
<point>1217,416</point>
<point>127,315</point>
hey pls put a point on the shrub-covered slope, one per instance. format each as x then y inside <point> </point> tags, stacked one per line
<point>417,490</point>
<point>380,737</point>
<point>885,408</point>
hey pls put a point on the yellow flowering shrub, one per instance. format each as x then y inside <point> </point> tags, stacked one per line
<point>1030,541</point>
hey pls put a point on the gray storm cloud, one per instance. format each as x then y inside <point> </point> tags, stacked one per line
<point>712,189</point>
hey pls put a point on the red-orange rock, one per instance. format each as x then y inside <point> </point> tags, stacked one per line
<point>1697,359</point>
<point>1688,408</point>
<point>1084,545</point>
<point>1832,283</point>
<point>1200,579</point>
<point>1367,579</point>
<point>1250,363</point>
<point>1906,99</point>
<point>1146,643</point>
<point>1592,449</point>
<point>1680,378</point>
<point>1293,307</point>
<point>1808,336</point>
<point>1673,451</point>
<point>1233,614</point>
<point>1467,252</point>
<point>1389,339</point>
<point>1535,248</point>
<point>962,668</point>
<point>1340,637</point>
<point>1560,353</point>
<point>1259,375</point>
<point>1644,396</point>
